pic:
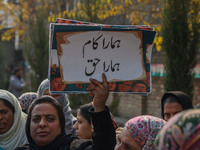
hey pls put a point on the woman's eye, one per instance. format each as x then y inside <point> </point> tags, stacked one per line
<point>79,121</point>
<point>50,119</point>
<point>36,120</point>
<point>4,112</point>
<point>166,116</point>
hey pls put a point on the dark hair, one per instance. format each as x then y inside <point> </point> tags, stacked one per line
<point>8,104</point>
<point>176,96</point>
<point>49,100</point>
<point>16,70</point>
<point>84,111</point>
<point>171,99</point>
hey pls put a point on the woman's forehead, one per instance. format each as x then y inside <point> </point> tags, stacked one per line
<point>44,108</point>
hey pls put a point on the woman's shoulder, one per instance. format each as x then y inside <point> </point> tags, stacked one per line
<point>23,147</point>
<point>81,144</point>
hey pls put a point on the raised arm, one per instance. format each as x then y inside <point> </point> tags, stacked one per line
<point>104,132</point>
<point>100,92</point>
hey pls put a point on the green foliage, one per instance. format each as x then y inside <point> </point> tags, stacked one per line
<point>3,71</point>
<point>180,45</point>
<point>78,99</point>
<point>35,49</point>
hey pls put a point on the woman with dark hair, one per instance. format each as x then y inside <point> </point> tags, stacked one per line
<point>83,126</point>
<point>45,126</point>
<point>36,130</point>
<point>12,122</point>
<point>174,102</point>
<point>63,100</point>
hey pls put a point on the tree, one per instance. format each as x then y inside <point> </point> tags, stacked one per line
<point>5,74</point>
<point>27,19</point>
<point>126,12</point>
<point>18,14</point>
<point>35,48</point>
<point>180,29</point>
<point>96,11</point>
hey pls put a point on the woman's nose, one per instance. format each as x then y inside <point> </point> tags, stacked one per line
<point>43,123</point>
<point>75,126</point>
<point>1,116</point>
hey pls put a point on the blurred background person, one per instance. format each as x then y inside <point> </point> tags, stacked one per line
<point>16,82</point>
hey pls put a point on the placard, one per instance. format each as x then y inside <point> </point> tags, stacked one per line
<point>83,51</point>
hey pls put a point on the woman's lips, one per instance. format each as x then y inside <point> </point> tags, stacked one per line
<point>43,133</point>
<point>77,135</point>
<point>2,125</point>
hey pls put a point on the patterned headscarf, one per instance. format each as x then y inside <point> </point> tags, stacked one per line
<point>27,98</point>
<point>144,130</point>
<point>181,132</point>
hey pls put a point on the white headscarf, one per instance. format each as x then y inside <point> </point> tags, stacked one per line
<point>44,85</point>
<point>16,135</point>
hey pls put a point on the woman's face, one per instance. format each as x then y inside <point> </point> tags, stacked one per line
<point>6,118</point>
<point>170,109</point>
<point>125,141</point>
<point>45,125</point>
<point>83,128</point>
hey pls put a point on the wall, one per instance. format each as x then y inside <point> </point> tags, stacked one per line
<point>131,105</point>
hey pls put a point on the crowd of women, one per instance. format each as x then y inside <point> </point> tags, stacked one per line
<point>43,121</point>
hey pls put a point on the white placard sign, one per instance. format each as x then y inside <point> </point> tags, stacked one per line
<point>87,54</point>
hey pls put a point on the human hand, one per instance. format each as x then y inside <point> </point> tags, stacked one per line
<point>100,90</point>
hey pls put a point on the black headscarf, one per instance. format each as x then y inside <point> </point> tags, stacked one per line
<point>181,97</point>
<point>62,141</point>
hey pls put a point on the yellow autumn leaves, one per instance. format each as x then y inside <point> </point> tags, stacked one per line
<point>134,12</point>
